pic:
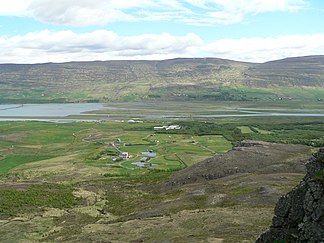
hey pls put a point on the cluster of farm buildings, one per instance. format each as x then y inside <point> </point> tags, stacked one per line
<point>171,127</point>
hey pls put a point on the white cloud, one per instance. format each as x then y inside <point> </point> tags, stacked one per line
<point>14,7</point>
<point>63,46</point>
<point>266,49</point>
<point>95,12</point>
<point>234,11</point>
<point>103,12</point>
<point>77,13</point>
<point>253,6</point>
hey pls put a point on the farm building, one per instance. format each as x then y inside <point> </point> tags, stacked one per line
<point>171,127</point>
<point>125,155</point>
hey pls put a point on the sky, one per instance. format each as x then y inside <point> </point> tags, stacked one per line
<point>39,31</point>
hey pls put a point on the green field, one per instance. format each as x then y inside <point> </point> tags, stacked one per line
<point>64,181</point>
<point>98,146</point>
<point>94,145</point>
<point>245,129</point>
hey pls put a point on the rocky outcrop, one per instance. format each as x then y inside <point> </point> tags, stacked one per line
<point>299,215</point>
<point>247,157</point>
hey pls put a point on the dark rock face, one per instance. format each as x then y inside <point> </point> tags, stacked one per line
<point>299,215</point>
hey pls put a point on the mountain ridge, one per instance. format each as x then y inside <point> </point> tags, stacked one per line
<point>170,59</point>
<point>172,79</point>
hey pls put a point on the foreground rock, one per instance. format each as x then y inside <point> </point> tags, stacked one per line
<point>299,215</point>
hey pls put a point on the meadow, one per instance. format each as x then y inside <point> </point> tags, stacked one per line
<point>62,181</point>
<point>100,144</point>
<point>94,144</point>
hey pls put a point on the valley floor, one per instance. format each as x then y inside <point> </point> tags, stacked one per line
<point>71,182</point>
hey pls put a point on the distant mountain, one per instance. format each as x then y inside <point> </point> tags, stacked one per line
<point>176,79</point>
<point>298,71</point>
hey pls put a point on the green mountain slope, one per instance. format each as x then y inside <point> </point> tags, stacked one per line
<point>298,71</point>
<point>176,79</point>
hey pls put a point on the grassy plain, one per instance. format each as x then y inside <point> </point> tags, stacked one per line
<point>100,145</point>
<point>65,181</point>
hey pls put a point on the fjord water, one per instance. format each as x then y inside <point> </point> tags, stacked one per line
<point>48,112</point>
